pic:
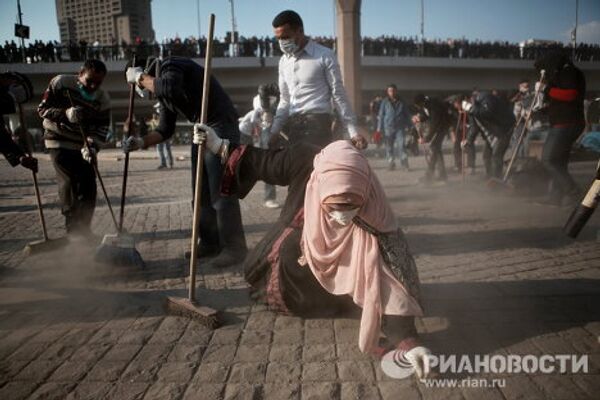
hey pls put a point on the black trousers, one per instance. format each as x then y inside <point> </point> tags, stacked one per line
<point>220,216</point>
<point>493,155</point>
<point>309,128</point>
<point>76,188</point>
<point>458,155</point>
<point>436,161</point>
<point>555,156</point>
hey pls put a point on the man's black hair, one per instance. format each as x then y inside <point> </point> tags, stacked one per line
<point>392,85</point>
<point>94,65</point>
<point>288,17</point>
<point>524,80</point>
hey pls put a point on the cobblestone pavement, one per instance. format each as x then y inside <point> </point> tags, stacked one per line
<point>498,278</point>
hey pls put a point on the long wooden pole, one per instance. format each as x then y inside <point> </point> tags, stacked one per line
<point>200,161</point>
<point>36,186</point>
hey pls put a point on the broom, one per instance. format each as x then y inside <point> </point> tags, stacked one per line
<point>120,252</point>
<point>495,183</point>
<point>44,244</point>
<point>119,248</point>
<point>188,307</point>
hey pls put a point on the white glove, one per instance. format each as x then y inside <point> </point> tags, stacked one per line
<point>133,75</point>
<point>464,144</point>
<point>74,114</point>
<point>419,359</point>
<point>132,143</point>
<point>466,106</point>
<point>205,134</point>
<point>18,93</point>
<point>539,86</point>
<point>88,155</point>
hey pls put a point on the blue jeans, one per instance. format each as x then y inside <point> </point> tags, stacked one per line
<point>265,135</point>
<point>164,152</point>
<point>390,146</point>
<point>555,157</point>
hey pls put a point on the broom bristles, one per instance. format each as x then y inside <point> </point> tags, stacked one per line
<point>114,251</point>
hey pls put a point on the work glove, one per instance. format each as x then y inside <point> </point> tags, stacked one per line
<point>205,134</point>
<point>539,86</point>
<point>29,163</point>
<point>419,359</point>
<point>74,114</point>
<point>88,153</point>
<point>132,143</point>
<point>133,75</point>
<point>466,106</point>
<point>18,93</point>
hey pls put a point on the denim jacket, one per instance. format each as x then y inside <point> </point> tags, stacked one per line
<point>392,117</point>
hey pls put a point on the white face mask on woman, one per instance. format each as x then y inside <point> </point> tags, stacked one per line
<point>288,46</point>
<point>343,217</point>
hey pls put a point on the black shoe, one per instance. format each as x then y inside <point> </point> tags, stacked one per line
<point>161,167</point>
<point>204,252</point>
<point>392,166</point>
<point>228,258</point>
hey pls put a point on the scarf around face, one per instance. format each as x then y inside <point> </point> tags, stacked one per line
<point>346,260</point>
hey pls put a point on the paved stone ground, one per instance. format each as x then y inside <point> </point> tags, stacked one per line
<point>498,278</point>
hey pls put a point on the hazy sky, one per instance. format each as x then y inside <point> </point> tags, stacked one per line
<point>512,20</point>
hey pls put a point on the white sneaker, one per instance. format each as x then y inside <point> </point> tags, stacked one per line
<point>272,204</point>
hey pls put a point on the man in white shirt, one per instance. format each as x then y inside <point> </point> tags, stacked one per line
<point>309,81</point>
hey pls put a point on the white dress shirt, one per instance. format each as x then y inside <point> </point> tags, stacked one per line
<point>308,82</point>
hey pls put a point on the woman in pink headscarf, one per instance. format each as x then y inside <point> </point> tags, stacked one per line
<point>335,245</point>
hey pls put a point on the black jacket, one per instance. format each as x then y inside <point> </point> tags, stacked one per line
<point>565,94</point>
<point>565,89</point>
<point>179,90</point>
<point>492,114</point>
<point>8,148</point>
<point>438,115</point>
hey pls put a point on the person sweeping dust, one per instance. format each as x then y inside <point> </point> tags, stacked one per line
<point>336,244</point>
<point>69,104</point>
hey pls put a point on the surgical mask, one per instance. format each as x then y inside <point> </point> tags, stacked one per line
<point>288,46</point>
<point>85,94</point>
<point>143,93</point>
<point>343,217</point>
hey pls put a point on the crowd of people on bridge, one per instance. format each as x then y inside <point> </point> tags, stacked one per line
<point>264,47</point>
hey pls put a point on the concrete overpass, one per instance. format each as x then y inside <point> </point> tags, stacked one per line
<point>241,76</point>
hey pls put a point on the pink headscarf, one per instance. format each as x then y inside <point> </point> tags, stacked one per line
<point>346,259</point>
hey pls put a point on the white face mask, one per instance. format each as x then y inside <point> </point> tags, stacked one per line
<point>343,217</point>
<point>143,93</point>
<point>288,46</point>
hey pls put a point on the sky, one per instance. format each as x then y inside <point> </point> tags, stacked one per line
<point>511,20</point>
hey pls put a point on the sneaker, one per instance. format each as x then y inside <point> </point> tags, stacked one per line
<point>161,167</point>
<point>392,166</point>
<point>272,204</point>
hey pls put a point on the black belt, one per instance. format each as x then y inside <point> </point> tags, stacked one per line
<point>300,122</point>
